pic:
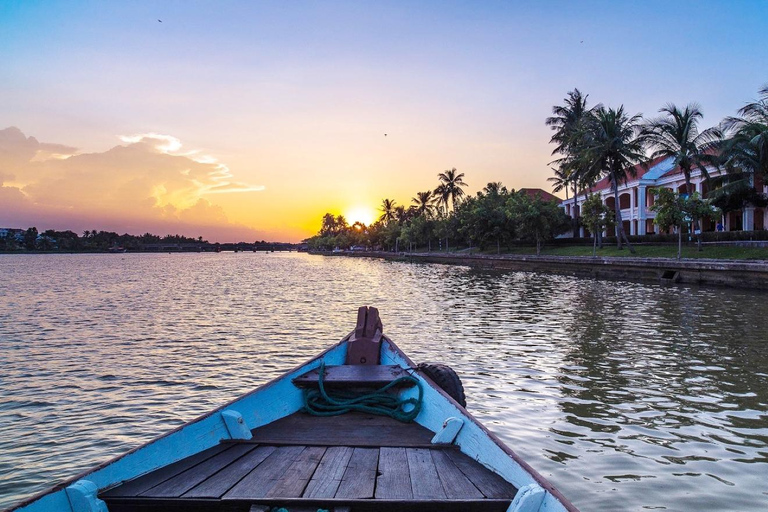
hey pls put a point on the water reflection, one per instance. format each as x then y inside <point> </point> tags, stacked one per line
<point>627,396</point>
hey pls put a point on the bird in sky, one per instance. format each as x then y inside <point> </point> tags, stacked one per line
<point>160,21</point>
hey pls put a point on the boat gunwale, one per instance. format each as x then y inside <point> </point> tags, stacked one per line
<point>543,482</point>
<point>538,478</point>
<point>66,483</point>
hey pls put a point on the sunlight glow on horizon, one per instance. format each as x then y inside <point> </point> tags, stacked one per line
<point>253,119</point>
<point>363,214</point>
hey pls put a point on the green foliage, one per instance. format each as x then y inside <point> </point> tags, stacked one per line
<point>596,215</point>
<point>746,148</point>
<point>669,207</point>
<point>536,219</point>
<point>676,210</point>
<point>95,241</point>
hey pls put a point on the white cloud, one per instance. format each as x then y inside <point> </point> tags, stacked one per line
<point>147,180</point>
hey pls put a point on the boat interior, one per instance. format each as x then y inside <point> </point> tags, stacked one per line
<point>353,462</point>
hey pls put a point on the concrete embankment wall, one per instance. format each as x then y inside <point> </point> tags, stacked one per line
<point>739,274</point>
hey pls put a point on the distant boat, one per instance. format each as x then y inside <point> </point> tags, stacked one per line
<point>117,249</point>
<point>407,443</point>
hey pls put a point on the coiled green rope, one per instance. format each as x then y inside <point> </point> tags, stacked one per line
<point>321,403</point>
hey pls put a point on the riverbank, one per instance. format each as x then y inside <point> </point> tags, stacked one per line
<point>702,271</point>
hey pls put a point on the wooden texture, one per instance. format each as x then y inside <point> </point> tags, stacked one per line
<point>327,478</point>
<point>488,482</point>
<point>224,480</point>
<point>351,429</point>
<point>316,473</point>
<point>143,483</point>
<point>364,347</point>
<point>455,483</point>
<point>186,480</point>
<point>316,463</point>
<point>293,482</point>
<point>425,483</point>
<point>302,505</point>
<point>353,375</point>
<point>259,481</point>
<point>394,481</point>
<point>359,480</point>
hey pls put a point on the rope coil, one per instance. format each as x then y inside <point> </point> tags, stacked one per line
<point>321,403</point>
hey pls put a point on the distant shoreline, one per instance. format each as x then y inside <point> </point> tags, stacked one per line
<point>747,274</point>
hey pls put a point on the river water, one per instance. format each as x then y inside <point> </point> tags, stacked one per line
<point>626,396</point>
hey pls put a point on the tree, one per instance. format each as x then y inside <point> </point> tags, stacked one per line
<point>571,123</point>
<point>676,135</point>
<point>328,226</point>
<point>341,224</point>
<point>744,156</point>
<point>596,216</point>
<point>560,180</point>
<point>30,238</point>
<point>746,148</point>
<point>425,204</point>
<point>388,211</point>
<point>451,185</point>
<point>535,219</point>
<point>616,145</point>
<point>674,210</point>
<point>490,215</point>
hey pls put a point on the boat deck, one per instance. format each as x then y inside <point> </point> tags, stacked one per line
<point>355,462</point>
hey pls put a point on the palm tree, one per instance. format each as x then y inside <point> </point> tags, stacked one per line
<point>388,211</point>
<point>495,188</point>
<point>560,180</point>
<point>747,147</point>
<point>450,187</point>
<point>425,204</point>
<point>616,146</point>
<point>570,123</point>
<point>676,135</point>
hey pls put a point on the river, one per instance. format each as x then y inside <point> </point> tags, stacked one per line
<point>626,396</point>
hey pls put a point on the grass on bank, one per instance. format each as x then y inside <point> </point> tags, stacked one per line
<point>648,251</point>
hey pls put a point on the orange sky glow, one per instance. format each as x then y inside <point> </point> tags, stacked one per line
<point>249,121</point>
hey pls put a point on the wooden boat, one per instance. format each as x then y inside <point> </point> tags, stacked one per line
<point>262,452</point>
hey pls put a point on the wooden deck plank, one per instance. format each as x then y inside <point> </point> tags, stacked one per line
<point>455,483</point>
<point>138,485</point>
<point>351,429</point>
<point>327,478</point>
<point>181,483</point>
<point>294,480</point>
<point>258,482</point>
<point>359,480</point>
<point>488,482</point>
<point>394,480</point>
<point>301,504</point>
<point>224,480</point>
<point>425,483</point>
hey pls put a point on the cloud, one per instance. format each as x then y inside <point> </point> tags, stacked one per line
<point>17,150</point>
<point>148,181</point>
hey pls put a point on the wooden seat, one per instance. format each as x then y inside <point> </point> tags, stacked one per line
<point>353,376</point>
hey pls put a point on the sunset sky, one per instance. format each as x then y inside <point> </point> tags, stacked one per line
<point>250,120</point>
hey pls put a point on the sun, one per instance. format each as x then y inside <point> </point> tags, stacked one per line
<point>362,214</point>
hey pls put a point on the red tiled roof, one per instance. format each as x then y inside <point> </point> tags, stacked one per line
<point>543,194</point>
<point>639,169</point>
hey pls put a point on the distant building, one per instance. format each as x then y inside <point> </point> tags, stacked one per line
<point>635,200</point>
<point>543,194</point>
<point>17,234</point>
